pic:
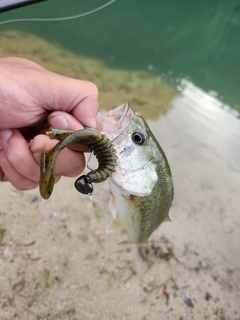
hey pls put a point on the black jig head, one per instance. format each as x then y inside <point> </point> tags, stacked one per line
<point>83,185</point>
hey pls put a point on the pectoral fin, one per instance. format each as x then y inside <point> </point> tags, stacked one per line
<point>167,219</point>
<point>113,226</point>
<point>112,206</point>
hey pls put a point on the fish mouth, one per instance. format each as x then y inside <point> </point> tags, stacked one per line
<point>116,121</point>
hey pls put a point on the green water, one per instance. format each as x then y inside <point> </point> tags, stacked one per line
<point>197,40</point>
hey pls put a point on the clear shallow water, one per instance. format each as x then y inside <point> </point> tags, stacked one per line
<point>196,41</point>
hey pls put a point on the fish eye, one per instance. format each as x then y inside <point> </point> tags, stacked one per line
<point>138,138</point>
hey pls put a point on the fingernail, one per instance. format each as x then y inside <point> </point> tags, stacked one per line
<point>5,134</point>
<point>91,123</point>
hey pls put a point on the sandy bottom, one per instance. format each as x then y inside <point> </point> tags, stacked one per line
<point>56,262</point>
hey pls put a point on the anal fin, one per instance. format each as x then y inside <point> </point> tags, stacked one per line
<point>112,206</point>
<point>114,226</point>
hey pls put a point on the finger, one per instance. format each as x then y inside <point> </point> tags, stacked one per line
<point>64,120</point>
<point>21,62</point>
<point>8,173</point>
<point>74,96</point>
<point>17,163</point>
<point>17,155</point>
<point>87,110</point>
<point>69,163</point>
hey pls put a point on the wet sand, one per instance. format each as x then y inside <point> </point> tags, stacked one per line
<point>56,262</point>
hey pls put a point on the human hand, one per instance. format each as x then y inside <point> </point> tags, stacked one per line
<point>31,100</point>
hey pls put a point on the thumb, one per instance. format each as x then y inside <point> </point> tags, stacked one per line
<point>77,97</point>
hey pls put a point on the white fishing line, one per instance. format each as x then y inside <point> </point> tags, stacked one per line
<point>90,196</point>
<point>60,19</point>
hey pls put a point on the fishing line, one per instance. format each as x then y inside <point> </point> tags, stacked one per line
<point>61,19</point>
<point>90,196</point>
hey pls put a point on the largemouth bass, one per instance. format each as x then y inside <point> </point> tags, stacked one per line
<point>141,188</point>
